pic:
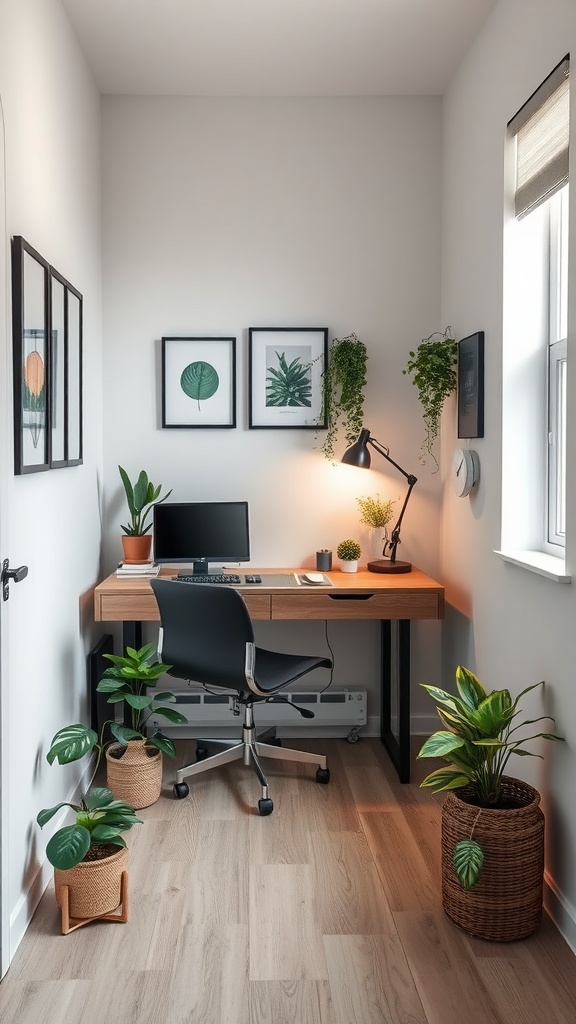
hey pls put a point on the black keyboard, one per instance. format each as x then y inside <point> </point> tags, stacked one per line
<point>210,578</point>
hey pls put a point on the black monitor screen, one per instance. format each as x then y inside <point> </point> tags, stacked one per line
<point>201,531</point>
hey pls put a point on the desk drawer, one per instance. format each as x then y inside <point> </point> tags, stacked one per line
<point>258,605</point>
<point>143,608</point>
<point>409,605</point>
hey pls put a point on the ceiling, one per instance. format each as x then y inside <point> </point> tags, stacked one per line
<point>274,47</point>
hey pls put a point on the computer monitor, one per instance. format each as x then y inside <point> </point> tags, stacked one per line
<point>199,532</point>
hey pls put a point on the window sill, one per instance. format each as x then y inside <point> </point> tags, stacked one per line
<point>550,566</point>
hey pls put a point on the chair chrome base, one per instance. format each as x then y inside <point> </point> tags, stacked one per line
<point>250,750</point>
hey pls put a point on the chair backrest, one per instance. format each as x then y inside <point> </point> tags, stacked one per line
<point>205,631</point>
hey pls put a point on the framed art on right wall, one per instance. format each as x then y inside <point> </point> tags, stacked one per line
<point>471,386</point>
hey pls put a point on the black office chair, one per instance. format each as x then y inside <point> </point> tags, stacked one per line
<point>207,636</point>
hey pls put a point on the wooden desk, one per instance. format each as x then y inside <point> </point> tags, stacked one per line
<point>363,595</point>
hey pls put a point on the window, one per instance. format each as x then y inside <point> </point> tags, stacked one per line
<point>535,327</point>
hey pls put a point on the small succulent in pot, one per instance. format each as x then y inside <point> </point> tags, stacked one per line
<point>349,550</point>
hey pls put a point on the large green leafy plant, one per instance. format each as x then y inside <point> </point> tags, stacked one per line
<point>140,498</point>
<point>479,737</point>
<point>343,383</point>
<point>433,366</point>
<point>128,681</point>
<point>99,822</point>
<point>99,818</point>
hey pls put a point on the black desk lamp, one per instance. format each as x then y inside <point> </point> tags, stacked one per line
<point>358,455</point>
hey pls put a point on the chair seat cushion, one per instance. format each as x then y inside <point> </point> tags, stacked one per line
<point>273,670</point>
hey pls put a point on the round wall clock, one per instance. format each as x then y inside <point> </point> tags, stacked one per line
<point>465,471</point>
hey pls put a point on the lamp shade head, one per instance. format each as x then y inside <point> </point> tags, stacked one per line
<point>357,454</point>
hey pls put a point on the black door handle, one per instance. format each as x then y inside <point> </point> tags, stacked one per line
<point>8,574</point>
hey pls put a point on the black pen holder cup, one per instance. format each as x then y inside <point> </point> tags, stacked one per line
<point>324,561</point>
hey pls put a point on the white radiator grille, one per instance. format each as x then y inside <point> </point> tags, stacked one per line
<point>334,707</point>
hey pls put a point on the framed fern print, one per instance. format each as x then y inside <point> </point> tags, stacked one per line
<point>198,382</point>
<point>285,376</point>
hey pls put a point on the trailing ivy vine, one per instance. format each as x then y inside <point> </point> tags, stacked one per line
<point>433,365</point>
<point>343,383</point>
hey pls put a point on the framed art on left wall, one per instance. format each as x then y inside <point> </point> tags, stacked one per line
<point>47,345</point>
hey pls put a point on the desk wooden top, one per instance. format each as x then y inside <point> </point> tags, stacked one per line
<point>360,595</point>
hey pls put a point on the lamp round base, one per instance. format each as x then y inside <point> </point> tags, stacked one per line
<point>383,565</point>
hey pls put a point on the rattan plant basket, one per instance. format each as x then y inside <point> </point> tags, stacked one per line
<point>136,776</point>
<point>505,904</point>
<point>94,885</point>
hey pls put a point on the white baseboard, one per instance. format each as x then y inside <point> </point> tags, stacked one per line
<point>561,911</point>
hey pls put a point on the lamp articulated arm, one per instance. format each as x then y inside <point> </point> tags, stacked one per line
<point>394,541</point>
<point>358,455</point>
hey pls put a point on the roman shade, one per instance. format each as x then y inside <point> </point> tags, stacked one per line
<point>541,129</point>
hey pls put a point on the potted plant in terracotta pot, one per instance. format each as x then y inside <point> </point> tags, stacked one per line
<point>90,856</point>
<point>140,497</point>
<point>349,552</point>
<point>493,827</point>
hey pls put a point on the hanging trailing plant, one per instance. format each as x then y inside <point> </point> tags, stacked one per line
<point>343,383</point>
<point>434,367</point>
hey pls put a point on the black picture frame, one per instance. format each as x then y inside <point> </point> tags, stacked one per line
<point>198,382</point>
<point>471,385</point>
<point>31,377</point>
<point>47,348</point>
<point>65,372</point>
<point>307,349</point>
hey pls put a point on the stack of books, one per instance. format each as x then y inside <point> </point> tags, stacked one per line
<point>139,569</point>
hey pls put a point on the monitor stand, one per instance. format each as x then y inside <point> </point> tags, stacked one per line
<point>201,567</point>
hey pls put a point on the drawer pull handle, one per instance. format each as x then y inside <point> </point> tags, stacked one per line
<point>350,597</point>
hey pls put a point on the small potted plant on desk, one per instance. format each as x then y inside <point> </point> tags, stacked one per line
<point>349,552</point>
<point>140,497</point>
<point>493,828</point>
<point>376,514</point>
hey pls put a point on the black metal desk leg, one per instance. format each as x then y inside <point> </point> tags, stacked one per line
<point>132,635</point>
<point>397,745</point>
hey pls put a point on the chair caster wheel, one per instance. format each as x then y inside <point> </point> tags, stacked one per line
<point>323,775</point>
<point>181,790</point>
<point>201,753</point>
<point>265,807</point>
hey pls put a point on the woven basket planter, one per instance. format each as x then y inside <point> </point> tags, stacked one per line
<point>505,904</point>
<point>136,777</point>
<point>94,885</point>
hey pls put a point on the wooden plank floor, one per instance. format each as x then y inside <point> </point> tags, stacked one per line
<point>326,912</point>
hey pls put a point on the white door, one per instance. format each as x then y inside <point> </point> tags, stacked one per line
<point>5,466</point>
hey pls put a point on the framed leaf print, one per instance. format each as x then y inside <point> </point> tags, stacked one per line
<point>285,376</point>
<point>198,382</point>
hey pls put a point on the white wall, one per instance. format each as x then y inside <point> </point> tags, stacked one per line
<point>223,214</point>
<point>513,627</point>
<point>52,520</point>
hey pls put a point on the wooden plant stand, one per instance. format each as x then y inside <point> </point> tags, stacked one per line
<point>70,924</point>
